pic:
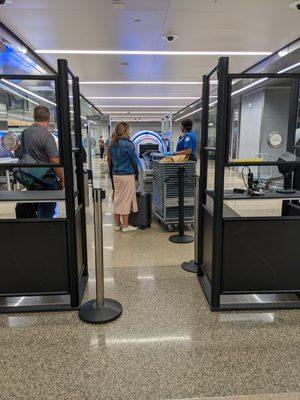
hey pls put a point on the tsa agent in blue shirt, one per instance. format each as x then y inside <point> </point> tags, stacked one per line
<point>187,144</point>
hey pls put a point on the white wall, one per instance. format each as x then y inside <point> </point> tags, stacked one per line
<point>250,128</point>
<point>275,119</point>
<point>141,126</point>
<point>262,113</point>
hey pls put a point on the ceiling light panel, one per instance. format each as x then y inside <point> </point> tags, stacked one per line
<point>151,53</point>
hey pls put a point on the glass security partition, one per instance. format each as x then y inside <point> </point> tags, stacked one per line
<point>58,265</point>
<point>250,216</point>
<point>94,125</point>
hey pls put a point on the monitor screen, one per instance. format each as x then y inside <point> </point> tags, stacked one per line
<point>148,146</point>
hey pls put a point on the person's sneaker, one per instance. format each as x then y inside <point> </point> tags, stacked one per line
<point>118,227</point>
<point>129,228</point>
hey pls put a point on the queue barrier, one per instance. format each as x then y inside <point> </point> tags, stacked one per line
<point>100,310</point>
<point>193,265</point>
<point>181,237</point>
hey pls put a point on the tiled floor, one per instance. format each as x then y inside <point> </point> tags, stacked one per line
<point>166,345</point>
<point>287,396</point>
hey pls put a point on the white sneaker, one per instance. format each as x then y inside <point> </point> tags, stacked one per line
<point>129,228</point>
<point>118,227</point>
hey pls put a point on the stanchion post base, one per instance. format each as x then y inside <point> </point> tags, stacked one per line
<point>190,266</point>
<point>181,239</point>
<point>110,311</point>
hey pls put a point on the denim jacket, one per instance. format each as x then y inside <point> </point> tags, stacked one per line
<point>123,158</point>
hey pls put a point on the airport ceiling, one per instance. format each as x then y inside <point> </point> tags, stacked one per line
<point>201,25</point>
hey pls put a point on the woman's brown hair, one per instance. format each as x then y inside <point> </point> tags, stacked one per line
<point>121,132</point>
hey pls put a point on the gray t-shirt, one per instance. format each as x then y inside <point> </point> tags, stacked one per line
<point>38,142</point>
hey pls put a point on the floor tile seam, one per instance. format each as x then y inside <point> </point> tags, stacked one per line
<point>278,396</point>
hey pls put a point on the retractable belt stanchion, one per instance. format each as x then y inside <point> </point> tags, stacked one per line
<point>181,238</point>
<point>100,310</point>
<point>192,266</point>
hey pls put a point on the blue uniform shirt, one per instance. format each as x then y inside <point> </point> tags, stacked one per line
<point>188,141</point>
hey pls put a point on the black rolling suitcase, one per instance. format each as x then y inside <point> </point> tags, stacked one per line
<point>143,218</point>
<point>90,175</point>
<point>25,210</point>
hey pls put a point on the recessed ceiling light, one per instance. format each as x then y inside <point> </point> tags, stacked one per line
<point>159,53</point>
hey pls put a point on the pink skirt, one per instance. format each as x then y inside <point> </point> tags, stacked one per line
<point>125,194</point>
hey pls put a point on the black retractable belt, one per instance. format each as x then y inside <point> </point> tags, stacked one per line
<point>193,265</point>
<point>181,238</point>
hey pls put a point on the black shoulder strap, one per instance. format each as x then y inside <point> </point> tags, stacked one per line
<point>23,141</point>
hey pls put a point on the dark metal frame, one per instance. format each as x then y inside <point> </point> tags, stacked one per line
<point>76,283</point>
<point>212,287</point>
<point>79,167</point>
<point>203,164</point>
<point>64,127</point>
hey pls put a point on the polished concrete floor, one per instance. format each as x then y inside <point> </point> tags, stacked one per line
<point>166,345</point>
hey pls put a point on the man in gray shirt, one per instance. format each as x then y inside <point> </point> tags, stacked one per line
<point>37,143</point>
